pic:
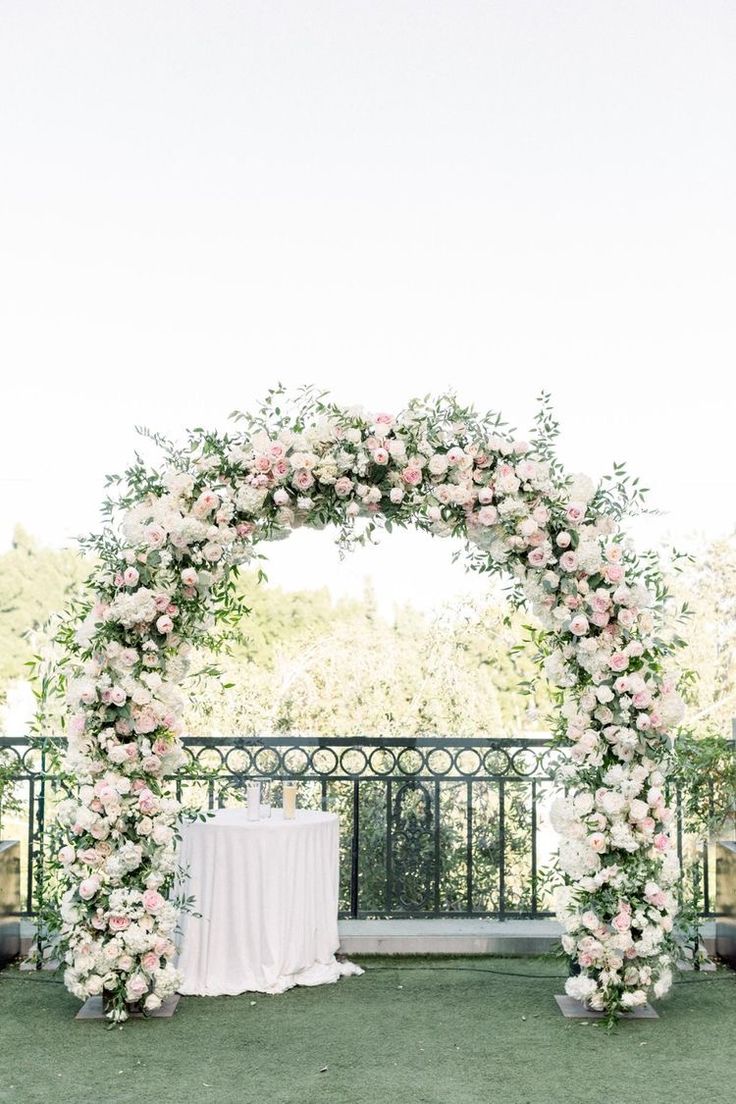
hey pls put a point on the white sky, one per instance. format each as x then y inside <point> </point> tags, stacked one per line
<point>198,199</point>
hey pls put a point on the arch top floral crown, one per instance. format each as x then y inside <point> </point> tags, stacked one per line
<point>163,581</point>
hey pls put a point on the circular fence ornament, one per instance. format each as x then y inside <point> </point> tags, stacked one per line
<point>164,578</point>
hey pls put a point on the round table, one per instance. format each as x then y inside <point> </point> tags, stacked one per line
<point>267,892</point>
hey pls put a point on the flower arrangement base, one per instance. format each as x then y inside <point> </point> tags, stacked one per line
<point>93,1009</point>
<point>575,1010</point>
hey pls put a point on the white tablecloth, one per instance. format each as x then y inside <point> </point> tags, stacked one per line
<point>267,892</point>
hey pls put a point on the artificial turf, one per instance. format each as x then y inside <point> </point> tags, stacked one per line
<point>409,1031</point>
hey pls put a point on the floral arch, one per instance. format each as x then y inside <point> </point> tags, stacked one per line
<point>164,577</point>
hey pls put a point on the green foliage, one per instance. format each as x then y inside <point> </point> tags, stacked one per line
<point>9,801</point>
<point>308,665</point>
<point>34,581</point>
<point>705,771</point>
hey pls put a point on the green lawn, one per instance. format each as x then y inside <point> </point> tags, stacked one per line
<point>409,1030</point>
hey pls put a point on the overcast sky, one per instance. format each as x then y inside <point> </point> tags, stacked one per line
<point>389,198</point>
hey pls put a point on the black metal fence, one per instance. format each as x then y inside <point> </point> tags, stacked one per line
<point>429,827</point>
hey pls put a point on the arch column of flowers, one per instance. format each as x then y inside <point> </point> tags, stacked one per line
<point>165,577</point>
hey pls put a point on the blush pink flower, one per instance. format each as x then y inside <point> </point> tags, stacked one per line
<point>89,887</point>
<point>118,923</point>
<point>619,661</point>
<point>488,515</point>
<point>343,486</point>
<point>303,479</point>
<point>153,902</point>
<point>412,476</point>
<point>155,536</point>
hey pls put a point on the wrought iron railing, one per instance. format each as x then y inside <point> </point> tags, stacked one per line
<point>430,827</point>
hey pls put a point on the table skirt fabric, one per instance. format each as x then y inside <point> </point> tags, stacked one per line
<point>267,895</point>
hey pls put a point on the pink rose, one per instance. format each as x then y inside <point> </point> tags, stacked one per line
<point>164,624</point>
<point>384,420</point>
<point>118,923</point>
<point>145,722</point>
<point>575,513</point>
<point>412,476</point>
<point>189,577</point>
<point>153,902</point>
<point>67,855</point>
<point>303,479</point>
<point>488,515</point>
<point>155,536</point>
<point>563,539</point>
<point>579,625</point>
<point>597,842</point>
<point>537,557</point>
<point>622,922</point>
<point>600,601</point>
<point>280,468</point>
<point>613,572</point>
<point>136,987</point>
<point>343,486</point>
<point>148,802</point>
<point>244,529</point>
<point>205,504</point>
<point>150,962</point>
<point>618,661</point>
<point>89,887</point>
<point>117,695</point>
<point>381,456</point>
<point>130,576</point>
<point>276,450</point>
<point>662,842</point>
<point>626,618</point>
<point>569,561</point>
<point>396,495</point>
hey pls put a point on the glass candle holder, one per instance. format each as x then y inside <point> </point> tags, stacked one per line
<point>289,800</point>
<point>253,800</point>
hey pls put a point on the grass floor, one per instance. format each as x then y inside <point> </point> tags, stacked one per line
<point>445,1031</point>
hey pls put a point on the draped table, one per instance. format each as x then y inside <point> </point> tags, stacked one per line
<point>267,895</point>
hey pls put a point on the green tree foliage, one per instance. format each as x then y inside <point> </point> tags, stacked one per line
<point>34,582</point>
<point>708,586</point>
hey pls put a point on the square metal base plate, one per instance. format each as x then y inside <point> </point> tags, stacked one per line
<point>92,1010</point>
<point>575,1010</point>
